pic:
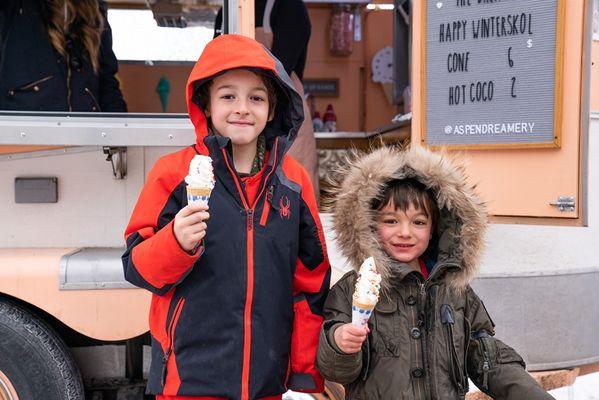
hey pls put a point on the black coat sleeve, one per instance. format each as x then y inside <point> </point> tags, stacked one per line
<point>291,29</point>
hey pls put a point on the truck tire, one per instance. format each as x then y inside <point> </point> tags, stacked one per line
<point>34,362</point>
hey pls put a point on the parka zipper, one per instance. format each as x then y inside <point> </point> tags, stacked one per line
<point>171,337</point>
<point>422,323</point>
<point>247,314</point>
<point>448,320</point>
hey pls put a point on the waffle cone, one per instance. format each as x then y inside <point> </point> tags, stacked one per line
<point>199,191</point>
<point>365,306</point>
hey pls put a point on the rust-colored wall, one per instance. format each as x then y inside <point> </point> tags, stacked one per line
<point>378,34</point>
<point>139,82</point>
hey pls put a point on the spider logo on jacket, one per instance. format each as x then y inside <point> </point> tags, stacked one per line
<point>284,207</point>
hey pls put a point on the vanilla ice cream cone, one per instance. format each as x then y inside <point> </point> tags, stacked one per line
<point>366,294</point>
<point>200,180</point>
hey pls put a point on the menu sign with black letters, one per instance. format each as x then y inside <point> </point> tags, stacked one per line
<point>493,73</point>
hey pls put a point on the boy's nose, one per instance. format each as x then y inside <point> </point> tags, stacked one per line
<point>242,107</point>
<point>403,230</point>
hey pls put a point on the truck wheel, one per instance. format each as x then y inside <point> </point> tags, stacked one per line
<point>34,362</point>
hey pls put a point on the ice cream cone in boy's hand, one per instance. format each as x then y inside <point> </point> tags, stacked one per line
<point>200,180</point>
<point>366,294</point>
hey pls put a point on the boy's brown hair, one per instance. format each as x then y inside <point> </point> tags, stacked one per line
<point>405,192</point>
<point>201,94</point>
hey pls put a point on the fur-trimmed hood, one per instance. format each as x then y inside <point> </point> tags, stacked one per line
<point>463,218</point>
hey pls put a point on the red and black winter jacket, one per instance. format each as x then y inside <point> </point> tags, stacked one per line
<point>241,319</point>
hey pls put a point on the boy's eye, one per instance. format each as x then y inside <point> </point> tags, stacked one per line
<point>420,222</point>
<point>257,98</point>
<point>389,221</point>
<point>227,96</point>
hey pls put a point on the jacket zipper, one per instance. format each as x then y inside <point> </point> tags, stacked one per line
<point>11,92</point>
<point>448,320</point>
<point>467,347</point>
<point>422,325</point>
<point>486,365</point>
<point>247,322</point>
<point>68,64</point>
<point>171,339</point>
<point>89,92</point>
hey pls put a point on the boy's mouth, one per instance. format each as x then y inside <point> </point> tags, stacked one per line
<point>241,123</point>
<point>403,246</point>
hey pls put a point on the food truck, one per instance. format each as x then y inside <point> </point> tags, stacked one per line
<point>510,86</point>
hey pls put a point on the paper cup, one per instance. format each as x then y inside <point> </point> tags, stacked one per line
<point>198,195</point>
<point>360,313</point>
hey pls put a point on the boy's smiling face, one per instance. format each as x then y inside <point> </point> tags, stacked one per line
<point>404,235</point>
<point>238,107</point>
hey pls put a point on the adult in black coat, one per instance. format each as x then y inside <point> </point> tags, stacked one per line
<point>56,55</point>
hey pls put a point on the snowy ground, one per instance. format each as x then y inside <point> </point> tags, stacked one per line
<point>586,387</point>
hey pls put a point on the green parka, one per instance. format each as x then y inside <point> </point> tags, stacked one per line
<point>427,337</point>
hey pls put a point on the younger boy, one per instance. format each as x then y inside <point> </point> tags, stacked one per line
<point>237,299</point>
<point>416,215</point>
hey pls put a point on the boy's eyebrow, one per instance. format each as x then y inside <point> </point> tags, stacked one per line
<point>392,213</point>
<point>263,89</point>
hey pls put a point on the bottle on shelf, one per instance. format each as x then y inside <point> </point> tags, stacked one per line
<point>329,119</point>
<point>341,35</point>
<point>317,122</point>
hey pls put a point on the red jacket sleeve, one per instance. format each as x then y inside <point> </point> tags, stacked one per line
<point>154,260</point>
<point>311,286</point>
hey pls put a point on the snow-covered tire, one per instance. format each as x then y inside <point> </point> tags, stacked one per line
<point>34,360</point>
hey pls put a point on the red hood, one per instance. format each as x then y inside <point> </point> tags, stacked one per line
<point>237,51</point>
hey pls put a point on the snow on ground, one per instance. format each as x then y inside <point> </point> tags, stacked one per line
<point>586,387</point>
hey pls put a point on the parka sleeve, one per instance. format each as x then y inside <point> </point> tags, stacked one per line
<point>496,368</point>
<point>310,288</point>
<point>335,365</point>
<point>154,260</point>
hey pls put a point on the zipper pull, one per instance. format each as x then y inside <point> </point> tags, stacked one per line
<point>486,368</point>
<point>486,375</point>
<point>250,219</point>
<point>269,195</point>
